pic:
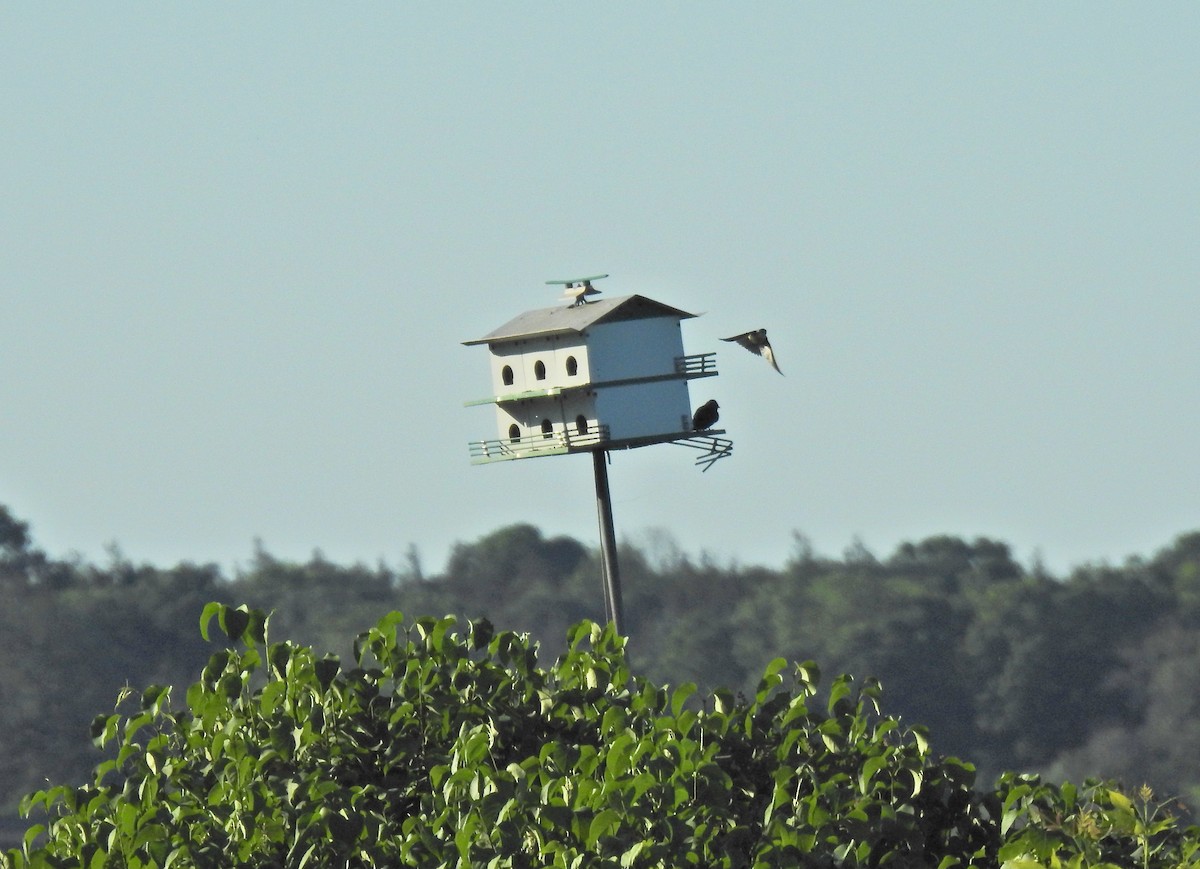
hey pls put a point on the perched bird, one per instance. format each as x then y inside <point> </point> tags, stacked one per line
<point>706,415</point>
<point>580,293</point>
<point>579,289</point>
<point>756,342</point>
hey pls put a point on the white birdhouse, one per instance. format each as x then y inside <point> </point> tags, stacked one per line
<point>608,374</point>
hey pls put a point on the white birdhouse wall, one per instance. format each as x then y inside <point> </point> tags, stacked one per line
<point>631,411</point>
<point>508,369</point>
<point>579,413</point>
<point>576,413</point>
<point>523,366</point>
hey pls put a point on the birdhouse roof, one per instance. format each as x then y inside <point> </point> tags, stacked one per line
<point>575,318</point>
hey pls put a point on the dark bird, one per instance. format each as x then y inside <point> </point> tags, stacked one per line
<point>706,415</point>
<point>756,342</point>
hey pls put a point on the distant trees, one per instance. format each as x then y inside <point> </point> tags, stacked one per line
<point>17,556</point>
<point>1094,673</point>
<point>14,534</point>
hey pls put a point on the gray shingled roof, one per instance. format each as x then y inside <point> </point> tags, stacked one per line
<point>566,318</point>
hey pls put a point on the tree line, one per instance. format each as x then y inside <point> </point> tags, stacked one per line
<point>1095,673</point>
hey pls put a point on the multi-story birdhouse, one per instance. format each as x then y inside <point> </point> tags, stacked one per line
<point>608,374</point>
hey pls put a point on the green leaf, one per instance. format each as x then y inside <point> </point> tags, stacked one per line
<point>617,758</point>
<point>579,634</point>
<point>601,825</point>
<point>918,778</point>
<point>838,691</point>
<point>270,697</point>
<point>921,737</point>
<point>770,679</point>
<point>256,630</point>
<point>481,633</point>
<point>630,857</point>
<point>231,685</point>
<point>326,669</point>
<point>32,833</point>
<point>809,675</point>
<point>1014,808</point>
<point>210,610</point>
<point>279,654</point>
<point>233,621</point>
<point>680,697</point>
<point>1023,862</point>
<point>1119,800</point>
<point>104,728</point>
<point>872,766</point>
<point>464,837</point>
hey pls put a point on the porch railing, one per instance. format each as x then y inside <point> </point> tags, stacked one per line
<point>559,440</point>
<point>696,365</point>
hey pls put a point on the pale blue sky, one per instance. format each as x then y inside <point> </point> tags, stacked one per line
<point>240,245</point>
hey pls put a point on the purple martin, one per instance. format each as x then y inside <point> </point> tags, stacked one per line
<point>706,415</point>
<point>756,342</point>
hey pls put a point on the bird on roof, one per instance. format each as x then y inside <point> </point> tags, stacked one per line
<point>579,288</point>
<point>706,415</point>
<point>580,292</point>
<point>756,342</point>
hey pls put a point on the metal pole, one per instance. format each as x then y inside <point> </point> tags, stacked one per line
<point>608,543</point>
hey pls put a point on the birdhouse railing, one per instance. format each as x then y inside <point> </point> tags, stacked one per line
<point>696,365</point>
<point>562,440</point>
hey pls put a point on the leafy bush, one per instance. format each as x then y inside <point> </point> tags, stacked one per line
<point>444,746</point>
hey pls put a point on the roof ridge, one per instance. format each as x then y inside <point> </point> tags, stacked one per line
<point>561,319</point>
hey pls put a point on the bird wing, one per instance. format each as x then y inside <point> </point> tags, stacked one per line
<point>756,342</point>
<point>747,340</point>
<point>580,293</point>
<point>769,354</point>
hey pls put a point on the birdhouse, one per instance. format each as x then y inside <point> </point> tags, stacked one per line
<point>597,376</point>
<point>600,375</point>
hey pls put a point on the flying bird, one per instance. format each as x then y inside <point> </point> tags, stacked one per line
<point>706,415</point>
<point>756,342</point>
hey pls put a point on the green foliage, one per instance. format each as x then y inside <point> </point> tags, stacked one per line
<point>1098,826</point>
<point>1094,674</point>
<point>449,746</point>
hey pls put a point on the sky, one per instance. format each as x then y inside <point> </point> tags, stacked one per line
<point>241,246</point>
